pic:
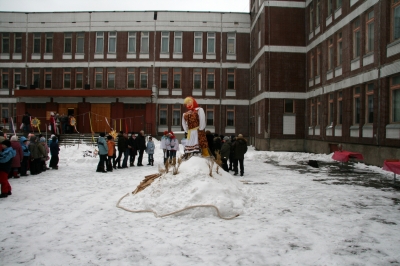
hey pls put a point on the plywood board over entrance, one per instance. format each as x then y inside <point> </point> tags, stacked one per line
<point>63,108</point>
<point>135,117</point>
<point>99,113</point>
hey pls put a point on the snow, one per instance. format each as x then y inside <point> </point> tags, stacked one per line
<point>289,214</point>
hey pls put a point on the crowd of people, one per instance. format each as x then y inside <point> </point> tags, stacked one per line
<point>18,155</point>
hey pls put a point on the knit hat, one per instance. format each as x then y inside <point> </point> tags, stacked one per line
<point>102,134</point>
<point>165,132</point>
<point>52,135</point>
<point>226,138</point>
<point>42,139</point>
<point>6,142</point>
<point>240,136</point>
<point>14,138</point>
<point>22,139</point>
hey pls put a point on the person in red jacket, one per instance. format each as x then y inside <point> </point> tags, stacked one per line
<point>16,162</point>
<point>7,153</point>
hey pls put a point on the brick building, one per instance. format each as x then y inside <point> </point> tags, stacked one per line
<point>289,75</point>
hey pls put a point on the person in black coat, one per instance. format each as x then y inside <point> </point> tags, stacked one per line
<point>239,148</point>
<point>133,149</point>
<point>26,121</point>
<point>122,146</point>
<point>232,155</point>
<point>210,141</point>
<point>54,151</point>
<point>217,143</point>
<point>141,146</point>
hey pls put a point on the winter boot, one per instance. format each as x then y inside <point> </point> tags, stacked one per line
<point>3,195</point>
<point>152,162</point>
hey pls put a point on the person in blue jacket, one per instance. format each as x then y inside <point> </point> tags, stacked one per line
<point>6,156</point>
<point>27,155</point>
<point>150,151</point>
<point>54,151</point>
<point>103,151</point>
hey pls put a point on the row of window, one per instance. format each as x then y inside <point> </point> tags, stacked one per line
<point>209,112</point>
<point>315,21</point>
<point>110,73</point>
<point>79,39</point>
<point>358,104</point>
<point>357,42</point>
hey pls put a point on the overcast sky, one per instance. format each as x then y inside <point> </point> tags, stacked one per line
<point>127,5</point>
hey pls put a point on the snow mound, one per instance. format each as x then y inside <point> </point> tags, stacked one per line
<point>192,186</point>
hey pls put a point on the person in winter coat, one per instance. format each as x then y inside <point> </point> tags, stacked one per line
<point>232,155</point>
<point>7,154</point>
<point>122,146</point>
<point>173,146</point>
<point>150,151</point>
<point>37,153</point>
<point>26,121</point>
<point>225,152</point>
<point>42,141</point>
<point>133,149</point>
<point>217,143</point>
<point>240,148</point>
<point>163,145</point>
<point>210,141</point>
<point>16,162</point>
<point>103,151</point>
<point>54,151</point>
<point>141,145</point>
<point>111,152</point>
<point>27,154</point>
<point>183,142</point>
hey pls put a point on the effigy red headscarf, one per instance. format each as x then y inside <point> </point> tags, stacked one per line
<point>190,103</point>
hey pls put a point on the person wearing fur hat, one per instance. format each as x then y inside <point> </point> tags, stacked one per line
<point>26,153</point>
<point>141,145</point>
<point>54,151</point>
<point>7,154</point>
<point>103,151</point>
<point>239,148</point>
<point>37,153</point>
<point>19,156</point>
<point>45,158</point>
<point>163,146</point>
<point>173,146</point>
<point>225,152</point>
<point>133,149</point>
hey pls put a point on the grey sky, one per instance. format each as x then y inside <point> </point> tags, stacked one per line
<point>127,5</point>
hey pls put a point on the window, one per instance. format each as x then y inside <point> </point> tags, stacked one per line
<point>356,38</point>
<point>18,43</point>
<point>396,19</point>
<point>330,7</point>
<point>67,43</point>
<point>338,4</point>
<point>176,115</point>
<point>211,43</point>
<point>259,39</point>
<point>111,78</point>
<point>4,113</point>
<point>132,42</point>
<point>197,78</point>
<point>357,105</point>
<point>289,106</point>
<point>339,48</point>
<point>99,42</point>
<point>330,110</point>
<point>198,39</point>
<point>112,42</point>
<point>164,78</point>
<point>230,116</point>
<point>259,81</point>
<point>210,78</point>
<point>369,108</point>
<point>395,101</point>
<point>340,108</point>
<point>67,78</point>
<point>79,78</point>
<point>164,42</point>
<point>17,77</point>
<point>143,78</point>
<point>36,43</point>
<point>330,54</point>
<point>311,16</point>
<point>5,44</point>
<point>47,78</point>
<point>319,111</point>
<point>4,79</point>
<point>177,78</point>
<point>144,48</point>
<point>163,114</point>
<point>178,42</point>
<point>99,78</point>
<point>369,39</point>
<point>318,61</point>
<point>317,13</point>
<point>131,77</point>
<point>312,65</point>
<point>231,43</point>
<point>36,77</point>
<point>210,115</point>
<point>312,112</point>
<point>80,37</point>
<point>231,79</point>
<point>49,43</point>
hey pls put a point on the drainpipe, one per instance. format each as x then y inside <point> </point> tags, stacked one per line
<point>154,88</point>
<point>220,79</point>
<point>269,77</point>
<point>377,136</point>
<point>90,30</point>
<point>26,51</point>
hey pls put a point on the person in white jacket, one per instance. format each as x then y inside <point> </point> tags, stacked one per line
<point>194,124</point>
<point>163,145</point>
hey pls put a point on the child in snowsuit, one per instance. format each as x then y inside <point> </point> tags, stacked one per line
<point>6,156</point>
<point>150,151</point>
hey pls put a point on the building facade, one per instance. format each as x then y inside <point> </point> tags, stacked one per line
<point>289,75</point>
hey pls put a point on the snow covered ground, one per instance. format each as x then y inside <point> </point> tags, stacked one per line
<point>290,214</point>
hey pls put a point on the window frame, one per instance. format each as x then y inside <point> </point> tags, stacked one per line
<point>230,72</point>
<point>394,6</point>
<point>48,43</point>
<point>339,114</point>
<point>199,36</point>
<point>67,39</point>
<point>17,72</point>
<point>177,78</point>
<point>319,111</point>
<point>5,78</point>
<point>311,65</point>
<point>211,39</point>
<point>48,78</point>
<point>164,40</point>
<point>311,21</point>
<point>356,105</point>
<point>231,36</point>
<point>37,39</point>
<point>368,107</point>
<point>144,73</point>
<point>111,77</point>
<point>66,72</point>
<point>210,110</point>
<point>339,50</point>
<point>318,14</point>
<point>356,38</point>
<point>176,120</point>
<point>17,43</point>
<point>80,41</point>
<point>163,108</point>
<point>5,43</point>
<point>369,41</point>
<point>112,37</point>
<point>79,71</point>
<point>99,49</point>
<point>144,47</point>
<point>230,109</point>
<point>178,41</point>
<point>130,73</point>
<point>286,102</point>
<point>36,77</point>
<point>164,73</point>
<point>393,88</point>
<point>132,42</point>
<point>318,68</point>
<point>331,110</point>
<point>98,77</point>
<point>210,73</point>
<point>331,54</point>
<point>197,72</point>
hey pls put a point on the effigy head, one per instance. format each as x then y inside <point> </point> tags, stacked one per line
<point>190,103</point>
